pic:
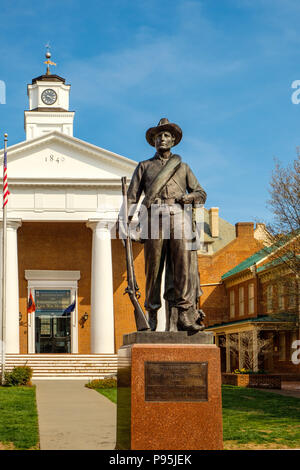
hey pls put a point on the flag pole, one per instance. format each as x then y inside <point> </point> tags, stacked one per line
<point>3,335</point>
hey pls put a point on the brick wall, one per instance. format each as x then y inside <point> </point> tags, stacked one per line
<point>252,380</point>
<point>214,300</point>
<point>56,246</point>
<point>68,246</point>
<point>124,313</point>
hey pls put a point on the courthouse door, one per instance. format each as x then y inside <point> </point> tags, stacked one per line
<point>53,327</point>
<point>52,321</point>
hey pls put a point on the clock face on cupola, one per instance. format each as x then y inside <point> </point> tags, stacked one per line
<point>49,96</point>
<point>48,104</point>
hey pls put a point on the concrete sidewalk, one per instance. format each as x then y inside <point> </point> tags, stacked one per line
<point>73,417</point>
<point>289,389</point>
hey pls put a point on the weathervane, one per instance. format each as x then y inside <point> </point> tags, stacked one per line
<point>48,61</point>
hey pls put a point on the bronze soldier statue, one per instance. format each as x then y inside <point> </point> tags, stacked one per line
<point>168,184</point>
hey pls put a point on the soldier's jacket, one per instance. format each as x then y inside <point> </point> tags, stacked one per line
<point>184,181</point>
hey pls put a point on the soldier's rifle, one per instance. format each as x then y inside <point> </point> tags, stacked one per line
<point>132,288</point>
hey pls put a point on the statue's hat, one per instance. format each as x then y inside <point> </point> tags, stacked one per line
<point>164,125</point>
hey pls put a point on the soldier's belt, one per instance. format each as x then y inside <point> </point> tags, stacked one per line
<point>169,201</point>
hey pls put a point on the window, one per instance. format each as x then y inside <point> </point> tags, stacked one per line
<point>282,346</point>
<point>269,298</point>
<point>281,296</point>
<point>232,303</point>
<point>241,301</point>
<point>251,298</point>
<point>292,294</point>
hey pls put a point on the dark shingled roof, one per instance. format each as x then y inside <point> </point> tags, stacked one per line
<point>48,78</point>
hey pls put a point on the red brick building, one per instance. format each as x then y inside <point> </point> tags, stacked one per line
<point>262,304</point>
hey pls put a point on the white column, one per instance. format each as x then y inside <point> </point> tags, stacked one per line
<point>102,310</point>
<point>12,287</point>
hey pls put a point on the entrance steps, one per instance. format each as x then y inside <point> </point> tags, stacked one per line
<point>65,366</point>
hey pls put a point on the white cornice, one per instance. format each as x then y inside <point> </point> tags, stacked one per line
<point>50,275</point>
<point>70,182</point>
<point>49,113</point>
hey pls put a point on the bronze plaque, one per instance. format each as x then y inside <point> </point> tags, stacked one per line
<point>176,381</point>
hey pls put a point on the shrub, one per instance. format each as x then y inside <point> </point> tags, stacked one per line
<point>248,371</point>
<point>18,376</point>
<point>109,382</point>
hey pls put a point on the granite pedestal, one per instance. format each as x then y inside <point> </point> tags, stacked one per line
<point>169,392</point>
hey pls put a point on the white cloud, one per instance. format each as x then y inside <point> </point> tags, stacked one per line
<point>147,68</point>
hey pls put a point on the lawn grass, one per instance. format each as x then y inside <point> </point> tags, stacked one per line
<point>254,419</point>
<point>18,418</point>
<point>110,393</point>
<point>258,419</point>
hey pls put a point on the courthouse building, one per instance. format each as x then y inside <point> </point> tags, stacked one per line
<point>65,195</point>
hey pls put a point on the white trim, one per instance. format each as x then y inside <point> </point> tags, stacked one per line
<point>232,303</point>
<point>211,284</point>
<point>251,298</point>
<point>51,275</point>
<point>50,114</point>
<point>270,300</point>
<point>44,284</point>
<point>69,182</point>
<point>241,301</point>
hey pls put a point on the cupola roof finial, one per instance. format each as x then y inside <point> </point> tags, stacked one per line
<point>48,56</point>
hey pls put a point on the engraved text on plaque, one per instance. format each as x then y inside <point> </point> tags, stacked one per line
<point>176,381</point>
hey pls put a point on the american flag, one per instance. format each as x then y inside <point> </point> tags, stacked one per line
<point>5,184</point>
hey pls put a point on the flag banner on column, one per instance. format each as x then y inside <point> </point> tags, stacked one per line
<point>31,304</point>
<point>5,184</point>
<point>70,308</point>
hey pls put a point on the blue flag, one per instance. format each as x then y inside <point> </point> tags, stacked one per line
<point>70,308</point>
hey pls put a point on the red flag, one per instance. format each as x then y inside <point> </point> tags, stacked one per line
<point>31,304</point>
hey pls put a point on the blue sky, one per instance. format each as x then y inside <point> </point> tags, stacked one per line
<point>221,69</point>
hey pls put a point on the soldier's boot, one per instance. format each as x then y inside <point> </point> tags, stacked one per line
<point>186,321</point>
<point>152,319</point>
<point>199,320</point>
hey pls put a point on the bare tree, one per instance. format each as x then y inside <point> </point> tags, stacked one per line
<point>285,198</point>
<point>284,231</point>
<point>243,345</point>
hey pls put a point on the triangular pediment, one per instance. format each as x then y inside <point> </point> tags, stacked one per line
<point>62,158</point>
